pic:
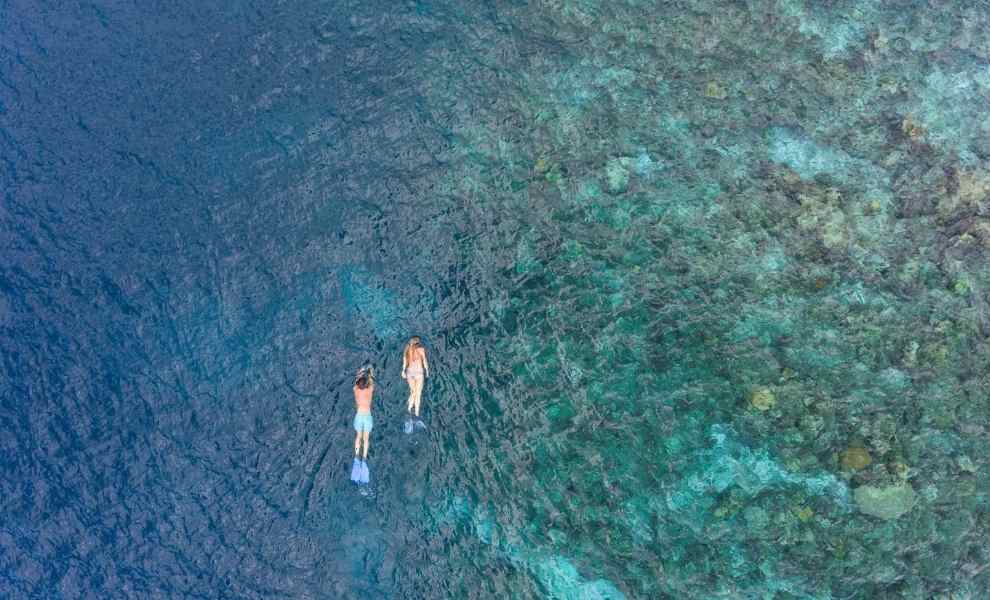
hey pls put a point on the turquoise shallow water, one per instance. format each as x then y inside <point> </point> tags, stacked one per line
<point>704,288</point>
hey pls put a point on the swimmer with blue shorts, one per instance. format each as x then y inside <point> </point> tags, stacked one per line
<point>364,387</point>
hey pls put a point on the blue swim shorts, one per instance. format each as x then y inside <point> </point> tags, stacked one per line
<point>363,422</point>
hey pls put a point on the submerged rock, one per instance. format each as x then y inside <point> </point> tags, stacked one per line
<point>617,175</point>
<point>966,464</point>
<point>912,129</point>
<point>887,502</point>
<point>561,579</point>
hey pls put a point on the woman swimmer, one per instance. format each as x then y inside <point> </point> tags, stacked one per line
<point>415,369</point>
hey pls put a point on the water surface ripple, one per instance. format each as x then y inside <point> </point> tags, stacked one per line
<point>703,286</point>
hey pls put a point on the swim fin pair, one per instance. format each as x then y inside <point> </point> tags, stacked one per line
<point>410,424</point>
<point>359,471</point>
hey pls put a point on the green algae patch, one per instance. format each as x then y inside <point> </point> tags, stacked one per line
<point>715,91</point>
<point>762,399</point>
<point>855,458</point>
<point>804,514</point>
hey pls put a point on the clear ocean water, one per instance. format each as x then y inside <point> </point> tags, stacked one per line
<point>704,287</point>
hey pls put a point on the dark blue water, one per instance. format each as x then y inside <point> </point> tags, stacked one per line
<point>703,284</point>
<point>210,217</point>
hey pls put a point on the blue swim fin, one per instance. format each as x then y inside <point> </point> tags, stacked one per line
<point>408,427</point>
<point>356,471</point>
<point>365,474</point>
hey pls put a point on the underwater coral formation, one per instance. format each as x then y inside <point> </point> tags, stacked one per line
<point>800,262</point>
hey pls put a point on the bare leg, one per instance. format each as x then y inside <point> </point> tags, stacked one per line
<point>357,444</point>
<point>367,441</point>
<point>417,394</point>
<point>412,394</point>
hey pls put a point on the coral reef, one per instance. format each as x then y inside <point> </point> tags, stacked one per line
<point>753,283</point>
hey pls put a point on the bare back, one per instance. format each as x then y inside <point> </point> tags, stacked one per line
<point>362,398</point>
<point>414,363</point>
<point>418,357</point>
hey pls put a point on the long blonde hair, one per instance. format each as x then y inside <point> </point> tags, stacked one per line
<point>411,346</point>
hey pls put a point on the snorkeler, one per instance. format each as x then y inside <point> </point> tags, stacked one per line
<point>415,369</point>
<point>364,387</point>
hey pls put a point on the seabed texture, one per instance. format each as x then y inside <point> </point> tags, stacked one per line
<point>705,288</point>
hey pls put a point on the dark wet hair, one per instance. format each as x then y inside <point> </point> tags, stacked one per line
<point>365,377</point>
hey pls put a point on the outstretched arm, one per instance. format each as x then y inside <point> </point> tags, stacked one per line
<point>426,365</point>
<point>403,365</point>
